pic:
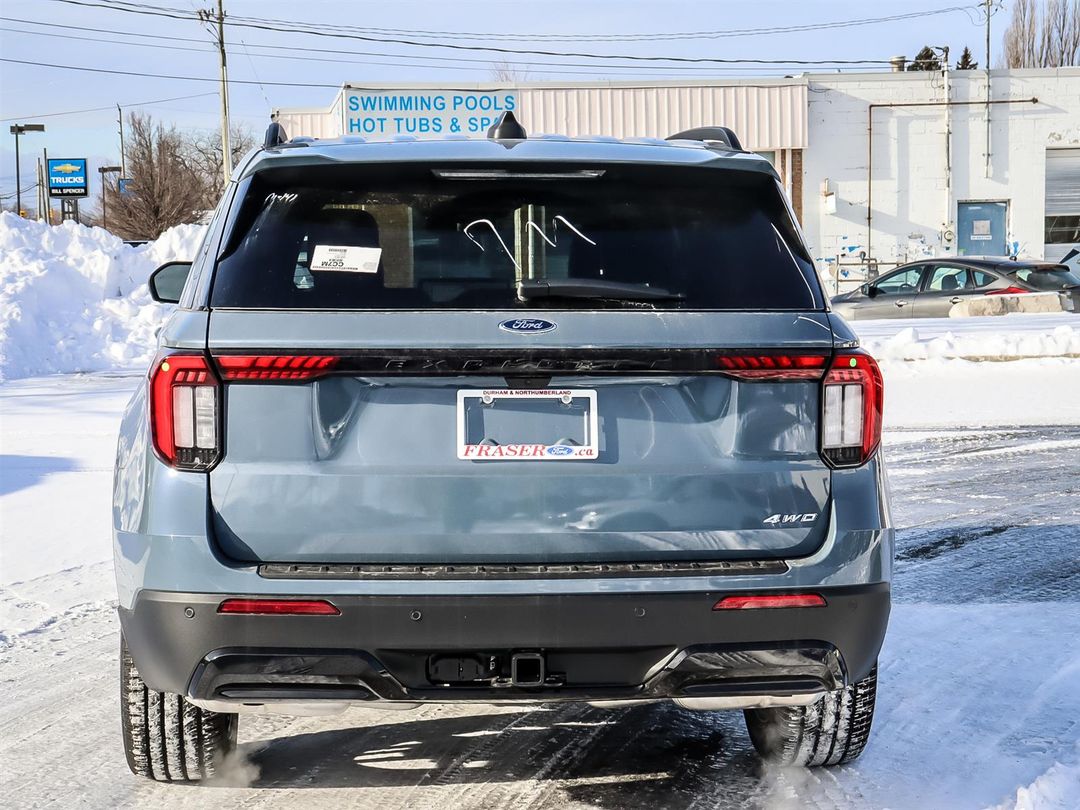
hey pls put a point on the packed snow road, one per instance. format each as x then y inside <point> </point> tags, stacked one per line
<point>978,704</point>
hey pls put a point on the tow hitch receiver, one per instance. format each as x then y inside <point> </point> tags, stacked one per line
<point>527,669</point>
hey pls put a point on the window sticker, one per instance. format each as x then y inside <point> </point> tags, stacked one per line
<point>345,259</point>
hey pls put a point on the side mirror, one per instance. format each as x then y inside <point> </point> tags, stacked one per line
<point>872,291</point>
<point>167,282</point>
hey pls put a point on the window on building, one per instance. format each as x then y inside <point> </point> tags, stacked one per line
<point>1062,224</point>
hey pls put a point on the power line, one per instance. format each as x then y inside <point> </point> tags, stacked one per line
<point>109,107</point>
<point>121,5</point>
<point>161,75</point>
<point>262,26</point>
<point>239,81</point>
<point>592,69</point>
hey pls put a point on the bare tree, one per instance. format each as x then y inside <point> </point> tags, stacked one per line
<point>508,72</point>
<point>202,151</point>
<point>1043,34</point>
<point>164,189</point>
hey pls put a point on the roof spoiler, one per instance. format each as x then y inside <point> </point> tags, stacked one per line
<point>724,136</point>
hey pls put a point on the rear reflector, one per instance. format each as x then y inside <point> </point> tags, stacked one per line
<point>1008,291</point>
<point>772,367</point>
<point>770,600</point>
<point>279,607</point>
<point>275,366</point>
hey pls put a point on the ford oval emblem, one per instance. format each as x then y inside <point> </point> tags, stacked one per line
<point>558,450</point>
<point>527,326</point>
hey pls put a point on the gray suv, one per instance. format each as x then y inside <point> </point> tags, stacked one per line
<point>510,420</point>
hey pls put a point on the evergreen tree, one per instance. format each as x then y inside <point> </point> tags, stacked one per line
<point>926,59</point>
<point>966,62</point>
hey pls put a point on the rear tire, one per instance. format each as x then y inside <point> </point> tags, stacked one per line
<point>166,737</point>
<point>831,731</point>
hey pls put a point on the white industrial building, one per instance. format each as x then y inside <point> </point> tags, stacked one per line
<point>938,179</point>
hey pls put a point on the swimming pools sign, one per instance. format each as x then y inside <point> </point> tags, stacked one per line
<point>424,113</point>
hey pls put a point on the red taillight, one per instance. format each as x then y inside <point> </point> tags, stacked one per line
<point>771,600</point>
<point>773,367</point>
<point>852,401</point>
<point>275,366</point>
<point>184,397</point>
<point>279,607</point>
<point>1008,291</point>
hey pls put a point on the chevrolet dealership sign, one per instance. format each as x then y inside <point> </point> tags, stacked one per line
<point>67,177</point>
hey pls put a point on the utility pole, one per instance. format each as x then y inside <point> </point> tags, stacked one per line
<point>123,157</point>
<point>218,17</point>
<point>987,116</point>
<point>104,170</point>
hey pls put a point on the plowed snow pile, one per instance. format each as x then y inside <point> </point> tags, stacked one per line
<point>74,298</point>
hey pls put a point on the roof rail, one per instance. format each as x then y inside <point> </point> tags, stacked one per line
<point>725,136</point>
<point>275,136</point>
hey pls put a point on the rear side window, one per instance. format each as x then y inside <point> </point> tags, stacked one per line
<point>946,278</point>
<point>465,236</point>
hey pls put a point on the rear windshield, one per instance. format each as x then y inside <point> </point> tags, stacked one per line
<point>473,237</point>
<point>1047,277</point>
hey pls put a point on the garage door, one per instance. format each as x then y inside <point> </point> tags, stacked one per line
<point>1062,202</point>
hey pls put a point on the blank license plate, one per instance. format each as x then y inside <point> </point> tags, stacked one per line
<point>527,425</point>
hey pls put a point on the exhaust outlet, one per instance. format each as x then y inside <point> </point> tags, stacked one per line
<point>527,669</point>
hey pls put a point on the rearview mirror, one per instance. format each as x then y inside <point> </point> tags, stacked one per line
<point>167,282</point>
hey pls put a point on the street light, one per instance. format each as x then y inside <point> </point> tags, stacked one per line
<point>103,170</point>
<point>17,130</point>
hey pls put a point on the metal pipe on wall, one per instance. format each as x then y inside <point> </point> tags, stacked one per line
<point>870,146</point>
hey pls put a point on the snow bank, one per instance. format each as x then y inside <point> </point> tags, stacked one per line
<point>989,338</point>
<point>1057,789</point>
<point>962,393</point>
<point>74,298</point>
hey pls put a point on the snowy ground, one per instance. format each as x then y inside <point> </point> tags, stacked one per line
<point>979,702</point>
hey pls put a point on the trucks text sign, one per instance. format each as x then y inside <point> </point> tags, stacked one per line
<point>424,113</point>
<point>67,177</point>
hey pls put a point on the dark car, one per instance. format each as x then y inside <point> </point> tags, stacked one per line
<point>929,289</point>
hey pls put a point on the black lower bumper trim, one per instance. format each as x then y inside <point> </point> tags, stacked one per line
<point>707,671</point>
<point>594,646</point>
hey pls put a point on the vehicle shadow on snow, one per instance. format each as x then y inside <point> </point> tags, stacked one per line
<point>654,755</point>
<point>22,472</point>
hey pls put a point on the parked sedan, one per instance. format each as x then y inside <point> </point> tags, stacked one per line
<point>929,289</point>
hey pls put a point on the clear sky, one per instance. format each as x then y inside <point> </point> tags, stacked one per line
<point>136,43</point>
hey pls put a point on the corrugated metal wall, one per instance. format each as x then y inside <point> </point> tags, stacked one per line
<point>763,116</point>
<point>311,123</point>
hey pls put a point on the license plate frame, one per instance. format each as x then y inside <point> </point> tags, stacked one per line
<point>589,450</point>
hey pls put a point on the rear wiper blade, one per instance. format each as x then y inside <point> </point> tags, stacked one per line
<point>532,289</point>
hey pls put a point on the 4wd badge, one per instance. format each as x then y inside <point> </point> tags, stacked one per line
<point>787,520</point>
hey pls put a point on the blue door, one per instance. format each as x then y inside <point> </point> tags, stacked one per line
<point>981,229</point>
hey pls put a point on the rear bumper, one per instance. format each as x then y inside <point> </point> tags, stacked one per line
<point>595,646</point>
